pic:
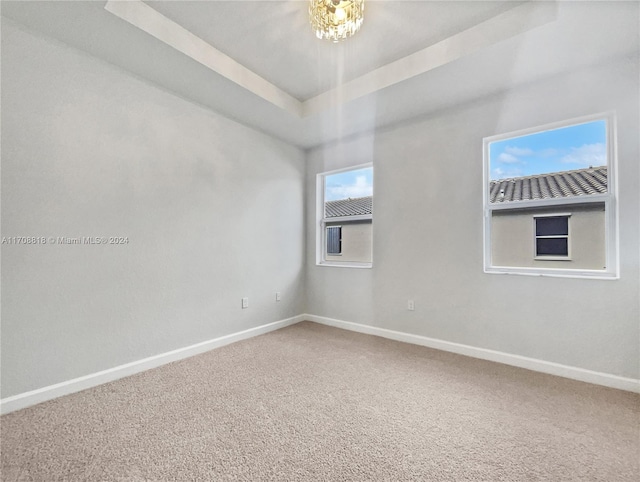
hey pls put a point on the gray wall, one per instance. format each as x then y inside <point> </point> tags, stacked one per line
<point>513,238</point>
<point>428,234</point>
<point>213,212</point>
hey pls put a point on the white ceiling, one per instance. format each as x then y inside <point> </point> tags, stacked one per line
<point>274,38</point>
<point>411,58</point>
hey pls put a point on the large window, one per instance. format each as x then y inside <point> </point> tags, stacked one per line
<point>344,214</point>
<point>550,200</point>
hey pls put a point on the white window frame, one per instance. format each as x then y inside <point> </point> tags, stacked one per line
<point>322,222</point>
<point>612,270</point>
<point>543,257</point>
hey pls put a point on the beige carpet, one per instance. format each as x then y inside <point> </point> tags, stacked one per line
<point>313,403</point>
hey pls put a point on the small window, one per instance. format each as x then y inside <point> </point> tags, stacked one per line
<point>552,237</point>
<point>334,240</point>
<point>345,217</point>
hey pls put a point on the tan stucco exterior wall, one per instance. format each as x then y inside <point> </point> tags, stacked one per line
<point>513,240</point>
<point>356,241</point>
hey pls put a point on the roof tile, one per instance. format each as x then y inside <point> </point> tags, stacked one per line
<point>349,207</point>
<point>580,182</point>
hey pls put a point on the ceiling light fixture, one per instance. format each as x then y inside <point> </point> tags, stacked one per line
<point>335,20</point>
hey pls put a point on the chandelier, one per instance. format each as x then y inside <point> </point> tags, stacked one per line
<point>335,19</point>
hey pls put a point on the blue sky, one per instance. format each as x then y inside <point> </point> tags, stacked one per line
<point>557,150</point>
<point>350,184</point>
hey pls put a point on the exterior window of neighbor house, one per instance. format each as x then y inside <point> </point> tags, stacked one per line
<point>334,240</point>
<point>552,236</point>
<point>550,200</point>
<point>344,214</point>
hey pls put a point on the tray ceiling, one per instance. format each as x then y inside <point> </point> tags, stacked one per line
<point>259,63</point>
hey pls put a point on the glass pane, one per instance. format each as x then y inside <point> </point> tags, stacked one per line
<point>559,163</point>
<point>552,226</point>
<point>552,247</point>
<point>354,184</point>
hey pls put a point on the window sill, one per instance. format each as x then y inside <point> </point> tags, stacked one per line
<point>552,258</point>
<point>345,264</point>
<point>554,273</point>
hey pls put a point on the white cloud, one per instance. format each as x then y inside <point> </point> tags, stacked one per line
<point>361,188</point>
<point>518,151</point>
<point>587,155</point>
<point>549,152</point>
<point>508,158</point>
<point>499,173</point>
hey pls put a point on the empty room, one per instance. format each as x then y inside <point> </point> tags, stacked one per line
<point>320,240</point>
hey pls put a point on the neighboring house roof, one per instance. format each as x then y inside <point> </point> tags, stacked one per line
<point>580,182</point>
<point>348,207</point>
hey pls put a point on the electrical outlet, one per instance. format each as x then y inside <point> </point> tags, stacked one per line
<point>278,296</point>
<point>411,305</point>
<point>245,303</point>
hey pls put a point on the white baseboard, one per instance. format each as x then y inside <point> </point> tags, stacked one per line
<point>33,397</point>
<point>589,376</point>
